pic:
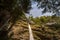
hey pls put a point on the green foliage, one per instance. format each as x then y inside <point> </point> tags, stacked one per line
<point>35,20</point>
<point>13,10</point>
<point>40,20</point>
<point>43,19</point>
<point>26,5</point>
<point>49,5</point>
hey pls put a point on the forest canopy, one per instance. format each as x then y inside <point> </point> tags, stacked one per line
<point>13,9</point>
<point>49,5</point>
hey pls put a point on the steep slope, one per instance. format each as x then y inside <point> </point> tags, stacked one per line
<point>45,33</point>
<point>20,31</point>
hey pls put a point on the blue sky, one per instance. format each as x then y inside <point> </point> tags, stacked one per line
<point>37,12</point>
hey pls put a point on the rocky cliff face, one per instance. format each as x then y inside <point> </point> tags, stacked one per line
<point>20,32</point>
<point>45,33</point>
